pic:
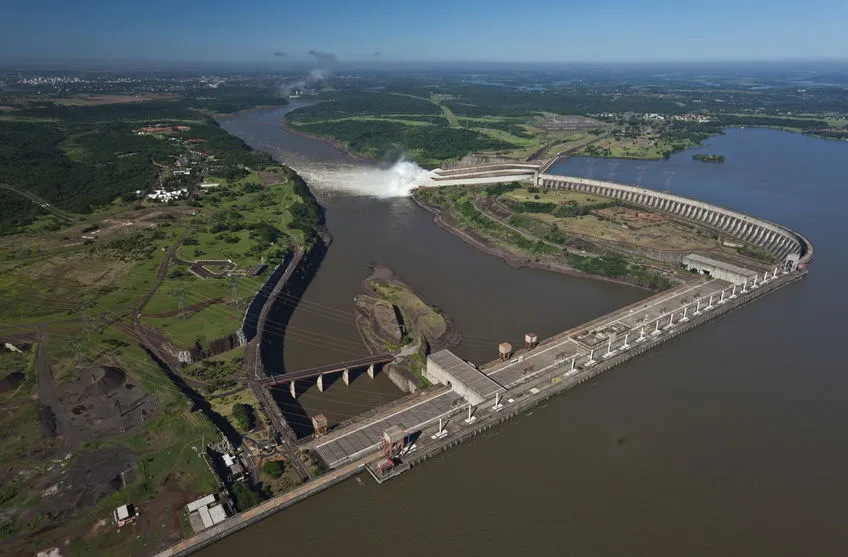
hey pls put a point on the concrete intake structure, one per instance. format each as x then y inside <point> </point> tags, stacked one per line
<point>767,235</point>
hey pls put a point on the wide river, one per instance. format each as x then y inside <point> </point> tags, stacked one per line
<point>730,440</point>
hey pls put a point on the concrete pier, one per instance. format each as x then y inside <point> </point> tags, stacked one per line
<point>565,359</point>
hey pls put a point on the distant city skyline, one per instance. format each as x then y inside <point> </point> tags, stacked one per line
<point>438,31</point>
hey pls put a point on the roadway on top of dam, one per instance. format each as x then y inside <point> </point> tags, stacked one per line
<point>577,349</point>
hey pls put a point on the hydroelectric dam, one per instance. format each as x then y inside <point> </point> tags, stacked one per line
<point>466,399</point>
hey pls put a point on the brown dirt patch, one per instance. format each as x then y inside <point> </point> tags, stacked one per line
<point>161,514</point>
<point>271,178</point>
<point>632,218</point>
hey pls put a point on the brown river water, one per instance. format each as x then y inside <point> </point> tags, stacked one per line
<point>730,440</point>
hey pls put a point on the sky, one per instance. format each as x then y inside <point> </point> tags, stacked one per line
<point>426,30</point>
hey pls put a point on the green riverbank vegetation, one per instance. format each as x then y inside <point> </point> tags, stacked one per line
<point>564,230</point>
<point>88,259</point>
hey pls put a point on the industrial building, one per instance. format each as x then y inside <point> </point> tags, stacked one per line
<point>205,512</point>
<point>465,380</point>
<point>717,269</point>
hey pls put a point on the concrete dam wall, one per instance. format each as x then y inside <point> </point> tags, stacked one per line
<point>772,237</point>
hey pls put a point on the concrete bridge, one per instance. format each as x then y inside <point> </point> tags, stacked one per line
<point>343,367</point>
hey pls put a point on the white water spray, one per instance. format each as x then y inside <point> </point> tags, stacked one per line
<point>383,183</point>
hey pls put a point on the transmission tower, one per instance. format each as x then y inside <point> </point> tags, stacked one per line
<point>233,282</point>
<point>179,294</point>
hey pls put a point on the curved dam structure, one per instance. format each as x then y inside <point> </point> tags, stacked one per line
<point>777,239</point>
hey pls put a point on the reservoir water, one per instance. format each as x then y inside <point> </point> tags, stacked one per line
<point>730,440</point>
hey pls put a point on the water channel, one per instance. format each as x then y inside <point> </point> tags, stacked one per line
<point>730,440</point>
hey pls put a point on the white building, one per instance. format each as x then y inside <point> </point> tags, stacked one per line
<point>205,513</point>
<point>165,196</point>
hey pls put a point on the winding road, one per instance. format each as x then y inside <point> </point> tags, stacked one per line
<point>64,215</point>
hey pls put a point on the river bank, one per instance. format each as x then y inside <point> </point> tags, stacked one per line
<point>511,257</point>
<point>339,146</point>
<point>679,426</point>
<point>392,317</point>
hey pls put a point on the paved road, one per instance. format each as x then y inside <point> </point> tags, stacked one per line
<point>254,371</point>
<point>64,215</point>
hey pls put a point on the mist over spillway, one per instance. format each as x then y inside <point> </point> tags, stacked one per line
<point>397,180</point>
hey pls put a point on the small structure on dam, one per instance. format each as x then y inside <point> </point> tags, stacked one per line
<point>717,269</point>
<point>470,383</point>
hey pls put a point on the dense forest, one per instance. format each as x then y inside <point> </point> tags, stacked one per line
<point>194,106</point>
<point>89,156</point>
<point>364,103</point>
<point>380,140</point>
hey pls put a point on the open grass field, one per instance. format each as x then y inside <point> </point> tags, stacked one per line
<point>362,125</point>
<point>534,227</point>
<point>100,100</point>
<point>224,405</point>
<point>241,221</point>
<point>658,234</point>
<point>554,196</point>
<point>643,147</point>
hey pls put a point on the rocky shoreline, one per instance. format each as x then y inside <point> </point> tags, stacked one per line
<point>401,322</point>
<point>511,259</point>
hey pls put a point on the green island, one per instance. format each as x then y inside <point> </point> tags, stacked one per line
<point>571,232</point>
<point>708,158</point>
<point>132,232</point>
<point>391,317</point>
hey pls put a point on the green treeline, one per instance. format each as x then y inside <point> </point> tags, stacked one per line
<point>571,209</point>
<point>728,120</point>
<point>196,106</point>
<point>79,166</point>
<point>363,103</point>
<point>482,100</point>
<point>515,129</point>
<point>379,139</point>
<point>308,215</point>
<point>616,266</point>
<point>460,201</point>
<point>104,164</point>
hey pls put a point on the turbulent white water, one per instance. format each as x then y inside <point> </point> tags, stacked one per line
<point>397,181</point>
